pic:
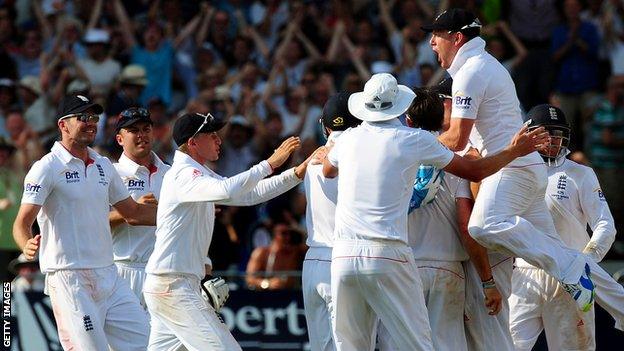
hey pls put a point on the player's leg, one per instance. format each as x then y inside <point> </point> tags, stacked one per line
<point>482,329</point>
<point>316,288</point>
<point>177,302</point>
<point>134,274</point>
<point>127,322</point>
<point>526,305</point>
<point>566,327</point>
<point>392,287</point>
<point>163,339</point>
<point>79,318</point>
<point>496,223</point>
<point>354,322</point>
<point>444,291</point>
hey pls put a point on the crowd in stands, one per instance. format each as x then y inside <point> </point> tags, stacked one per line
<point>268,66</point>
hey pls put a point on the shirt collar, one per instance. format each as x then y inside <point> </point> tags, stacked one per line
<point>384,124</point>
<point>127,162</point>
<point>473,47</point>
<point>61,152</point>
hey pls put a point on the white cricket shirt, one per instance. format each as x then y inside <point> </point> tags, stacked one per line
<point>185,219</point>
<point>575,200</point>
<point>75,200</point>
<point>484,91</point>
<point>321,196</point>
<point>377,165</point>
<point>433,231</point>
<point>136,243</point>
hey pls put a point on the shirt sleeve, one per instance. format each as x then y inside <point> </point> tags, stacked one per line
<point>468,92</point>
<point>38,184</point>
<point>195,185</point>
<point>117,190</point>
<point>334,154</point>
<point>430,151</point>
<point>596,210</point>
<point>463,189</point>
<point>265,190</point>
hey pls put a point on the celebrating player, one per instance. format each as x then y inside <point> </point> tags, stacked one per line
<point>510,214</point>
<point>180,316</point>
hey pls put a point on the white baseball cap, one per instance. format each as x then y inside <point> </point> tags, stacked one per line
<point>96,36</point>
<point>382,99</point>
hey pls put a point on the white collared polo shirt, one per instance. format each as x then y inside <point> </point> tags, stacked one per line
<point>484,91</point>
<point>136,243</point>
<point>377,165</point>
<point>75,199</point>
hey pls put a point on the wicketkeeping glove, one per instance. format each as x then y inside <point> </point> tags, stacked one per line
<point>216,291</point>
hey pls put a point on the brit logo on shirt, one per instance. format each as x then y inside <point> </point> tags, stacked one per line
<point>32,188</point>
<point>72,176</point>
<point>601,195</point>
<point>136,184</point>
<point>462,101</point>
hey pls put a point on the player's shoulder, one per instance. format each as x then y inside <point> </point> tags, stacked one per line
<point>49,162</point>
<point>577,169</point>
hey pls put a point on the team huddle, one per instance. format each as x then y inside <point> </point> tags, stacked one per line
<point>418,207</point>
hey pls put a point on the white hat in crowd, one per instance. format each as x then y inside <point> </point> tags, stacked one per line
<point>96,36</point>
<point>31,83</point>
<point>382,99</point>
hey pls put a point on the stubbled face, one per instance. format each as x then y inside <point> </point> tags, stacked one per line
<point>136,139</point>
<point>443,44</point>
<point>81,133</point>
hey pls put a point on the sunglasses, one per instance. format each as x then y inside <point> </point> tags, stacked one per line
<point>208,118</point>
<point>444,96</point>
<point>139,112</point>
<point>84,117</point>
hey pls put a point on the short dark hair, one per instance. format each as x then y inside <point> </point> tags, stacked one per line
<point>471,33</point>
<point>426,110</point>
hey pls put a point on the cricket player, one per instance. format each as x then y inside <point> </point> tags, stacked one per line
<point>142,173</point>
<point>69,191</point>
<point>575,201</point>
<point>373,273</point>
<point>180,316</point>
<point>321,195</point>
<point>510,215</point>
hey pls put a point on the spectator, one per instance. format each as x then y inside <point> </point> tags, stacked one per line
<point>282,255</point>
<point>27,145</point>
<point>28,276</point>
<point>100,69</point>
<point>28,58</point>
<point>132,81</point>
<point>575,49</point>
<point>8,99</point>
<point>238,150</point>
<point>38,112</point>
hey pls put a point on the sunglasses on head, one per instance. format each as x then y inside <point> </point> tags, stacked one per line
<point>84,117</point>
<point>207,119</point>
<point>139,112</point>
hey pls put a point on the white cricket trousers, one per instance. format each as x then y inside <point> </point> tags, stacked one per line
<point>444,290</point>
<point>134,274</point>
<point>377,280</point>
<point>181,318</point>
<point>95,309</point>
<point>538,302</point>
<point>510,216</point>
<point>483,330</point>
<point>317,301</point>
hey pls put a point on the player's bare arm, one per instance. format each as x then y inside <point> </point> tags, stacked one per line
<point>115,218</point>
<point>22,230</point>
<point>456,137</point>
<point>136,213</point>
<point>478,256</point>
<point>523,143</point>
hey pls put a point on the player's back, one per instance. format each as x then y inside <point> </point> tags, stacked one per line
<point>377,166</point>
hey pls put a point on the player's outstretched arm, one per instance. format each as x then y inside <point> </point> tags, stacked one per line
<point>523,143</point>
<point>137,213</point>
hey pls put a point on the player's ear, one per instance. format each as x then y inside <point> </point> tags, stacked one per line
<point>119,139</point>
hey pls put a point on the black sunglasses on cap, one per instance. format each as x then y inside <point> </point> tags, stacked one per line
<point>84,117</point>
<point>208,118</point>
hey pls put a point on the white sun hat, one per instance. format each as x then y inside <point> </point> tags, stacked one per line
<point>382,99</point>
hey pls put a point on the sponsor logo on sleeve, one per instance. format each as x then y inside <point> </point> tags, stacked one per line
<point>32,188</point>
<point>462,101</point>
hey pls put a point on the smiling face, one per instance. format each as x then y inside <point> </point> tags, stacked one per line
<point>136,140</point>
<point>81,133</point>
<point>445,45</point>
